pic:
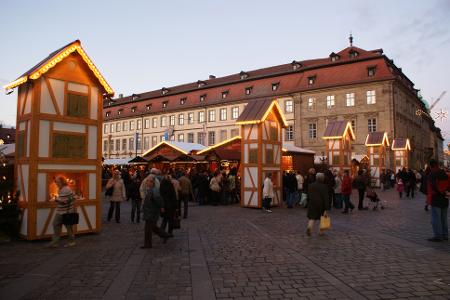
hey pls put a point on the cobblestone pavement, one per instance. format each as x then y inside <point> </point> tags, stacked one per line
<point>228,252</point>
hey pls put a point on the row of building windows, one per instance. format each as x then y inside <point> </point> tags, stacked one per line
<point>171,120</point>
<point>312,128</point>
<point>349,100</point>
<point>135,143</point>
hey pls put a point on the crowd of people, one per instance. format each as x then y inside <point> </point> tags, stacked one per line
<point>161,195</point>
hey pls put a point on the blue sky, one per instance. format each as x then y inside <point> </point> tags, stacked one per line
<point>145,45</point>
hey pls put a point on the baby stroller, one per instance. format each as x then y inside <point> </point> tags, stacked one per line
<point>374,199</point>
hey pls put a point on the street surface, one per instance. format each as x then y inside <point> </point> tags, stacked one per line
<point>228,252</point>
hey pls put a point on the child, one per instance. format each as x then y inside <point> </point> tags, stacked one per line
<point>400,187</point>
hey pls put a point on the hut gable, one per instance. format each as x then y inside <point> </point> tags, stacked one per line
<point>257,111</point>
<point>377,139</point>
<point>338,129</point>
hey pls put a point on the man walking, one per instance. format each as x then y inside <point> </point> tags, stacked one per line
<point>187,193</point>
<point>437,197</point>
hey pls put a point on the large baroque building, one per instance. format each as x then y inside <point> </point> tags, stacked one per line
<point>363,87</point>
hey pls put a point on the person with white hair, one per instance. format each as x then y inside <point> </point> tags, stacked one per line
<point>318,203</point>
<point>154,173</point>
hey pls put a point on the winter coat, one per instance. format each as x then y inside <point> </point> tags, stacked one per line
<point>152,205</point>
<point>360,182</point>
<point>318,200</point>
<point>168,194</point>
<point>119,191</point>
<point>438,184</point>
<point>346,187</point>
<point>268,188</point>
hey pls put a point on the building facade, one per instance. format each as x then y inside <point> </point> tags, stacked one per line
<point>364,87</point>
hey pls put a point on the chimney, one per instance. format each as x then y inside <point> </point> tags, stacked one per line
<point>120,96</point>
<point>212,77</point>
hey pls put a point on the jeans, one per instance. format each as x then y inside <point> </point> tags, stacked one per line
<point>439,222</point>
<point>347,203</point>
<point>114,205</point>
<point>361,198</point>
<point>136,209</point>
<point>57,226</point>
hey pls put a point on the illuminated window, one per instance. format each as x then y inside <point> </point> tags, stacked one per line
<point>191,118</point>
<point>105,128</point>
<point>248,90</point>
<point>312,131</point>
<point>125,125</point>
<point>111,128</point>
<point>118,127</point>
<point>235,112</point>
<point>372,124</point>
<point>211,115</point>
<point>288,106</point>
<point>147,123</point>
<point>311,80</point>
<point>181,119</point>
<point>172,120</point>
<point>330,101</point>
<point>275,86</point>
<point>350,99</point>
<point>139,124</point>
<point>311,103</point>
<point>223,114</point>
<point>371,98</point>
<point>224,94</point>
<point>163,121</point>
<point>181,137</point>
<point>201,116</point>
<point>182,101</point>
<point>202,98</point>
<point>131,125</point>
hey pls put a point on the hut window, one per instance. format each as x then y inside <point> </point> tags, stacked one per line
<point>77,105</point>
<point>69,146</point>
<point>224,94</point>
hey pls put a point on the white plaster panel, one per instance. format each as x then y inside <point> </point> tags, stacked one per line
<point>248,197</point>
<point>92,142</point>
<point>82,223</point>
<point>22,126</point>
<point>19,185</point>
<point>58,91</point>
<point>76,87</point>
<point>28,100</point>
<point>254,132</point>
<point>91,212</point>
<point>94,103</point>
<point>70,127</point>
<point>276,149</point>
<point>265,130</point>
<point>92,186</point>
<point>254,172</point>
<point>41,217</point>
<point>24,224</point>
<point>65,167</point>
<point>28,139</point>
<point>42,187</point>
<point>25,173</point>
<point>44,138</point>
<point>46,100</point>
<point>246,153</point>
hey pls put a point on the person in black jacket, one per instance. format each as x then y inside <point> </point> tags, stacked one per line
<point>318,202</point>
<point>136,200</point>
<point>330,182</point>
<point>360,184</point>
<point>169,196</point>
<point>153,207</point>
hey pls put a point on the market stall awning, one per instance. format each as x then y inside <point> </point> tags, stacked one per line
<point>138,159</point>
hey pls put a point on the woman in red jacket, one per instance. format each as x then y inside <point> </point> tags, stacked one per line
<point>346,191</point>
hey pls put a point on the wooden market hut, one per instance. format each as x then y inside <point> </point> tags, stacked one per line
<point>168,154</point>
<point>376,143</point>
<point>226,153</point>
<point>339,136</point>
<point>401,148</point>
<point>296,158</point>
<point>59,131</point>
<point>261,123</point>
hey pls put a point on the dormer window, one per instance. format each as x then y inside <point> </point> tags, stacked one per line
<point>311,80</point>
<point>243,75</point>
<point>164,90</point>
<point>108,113</point>
<point>201,83</point>
<point>202,98</point>
<point>182,101</point>
<point>134,97</point>
<point>296,65</point>
<point>164,104</point>
<point>353,54</point>
<point>275,86</point>
<point>148,106</point>
<point>133,109</point>
<point>334,57</point>
<point>371,71</point>
<point>119,112</point>
<point>248,90</point>
<point>224,94</point>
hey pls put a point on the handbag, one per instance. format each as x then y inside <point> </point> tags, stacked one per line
<point>109,191</point>
<point>70,218</point>
<point>325,222</point>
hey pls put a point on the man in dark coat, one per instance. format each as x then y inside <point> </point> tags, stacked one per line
<point>169,196</point>
<point>318,202</point>
<point>153,207</point>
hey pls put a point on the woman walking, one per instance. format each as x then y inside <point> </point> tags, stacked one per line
<point>136,200</point>
<point>64,204</point>
<point>346,191</point>
<point>170,204</point>
<point>318,202</point>
<point>118,195</point>
<point>214,186</point>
